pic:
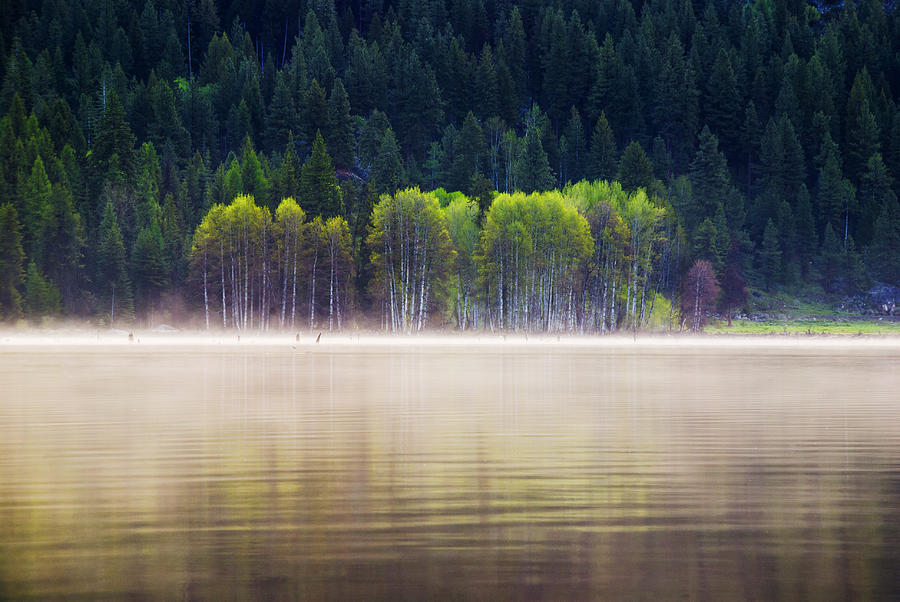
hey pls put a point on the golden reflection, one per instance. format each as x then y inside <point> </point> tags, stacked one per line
<point>483,472</point>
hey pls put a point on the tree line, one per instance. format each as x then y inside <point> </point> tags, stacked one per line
<point>767,130</point>
<point>589,258</point>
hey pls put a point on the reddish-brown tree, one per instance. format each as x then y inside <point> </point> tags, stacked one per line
<point>699,294</point>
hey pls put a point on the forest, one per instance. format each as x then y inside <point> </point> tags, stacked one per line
<point>566,166</point>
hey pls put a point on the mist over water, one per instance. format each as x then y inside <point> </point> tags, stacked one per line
<point>450,469</point>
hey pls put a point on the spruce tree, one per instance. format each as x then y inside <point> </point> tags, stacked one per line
<point>533,168</point>
<point>12,257</point>
<point>635,169</point>
<point>770,255</point>
<point>41,296</point>
<point>340,139</point>
<point>602,161</point>
<point>113,285</point>
<point>320,194</point>
<point>885,248</point>
<point>387,167</point>
<point>281,118</point>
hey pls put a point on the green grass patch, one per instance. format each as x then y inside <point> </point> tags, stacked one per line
<point>804,327</point>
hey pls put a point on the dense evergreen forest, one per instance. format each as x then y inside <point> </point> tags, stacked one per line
<point>576,165</point>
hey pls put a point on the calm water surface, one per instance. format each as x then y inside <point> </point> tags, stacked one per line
<point>378,472</point>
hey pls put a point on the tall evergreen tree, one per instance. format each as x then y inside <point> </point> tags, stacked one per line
<point>341,140</point>
<point>113,284</point>
<point>320,194</point>
<point>533,168</point>
<point>602,162</point>
<point>635,169</point>
<point>12,258</point>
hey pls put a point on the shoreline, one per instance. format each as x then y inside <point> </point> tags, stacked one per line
<point>306,340</point>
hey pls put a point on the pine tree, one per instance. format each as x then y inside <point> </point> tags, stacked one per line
<point>723,103</point>
<point>710,177</point>
<point>12,257</point>
<point>533,168</point>
<point>875,193</point>
<point>41,296</point>
<point>320,194</point>
<point>341,139</point>
<point>114,138</point>
<point>314,114</point>
<point>112,279</point>
<point>281,118</point>
<point>37,194</point>
<point>577,147</point>
<point>831,260</point>
<point>770,255</point>
<point>149,266</point>
<point>602,162</point>
<point>635,169</point>
<point>60,243</point>
<point>885,248</point>
<point>387,167</point>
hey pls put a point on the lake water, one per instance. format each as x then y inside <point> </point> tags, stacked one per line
<point>474,471</point>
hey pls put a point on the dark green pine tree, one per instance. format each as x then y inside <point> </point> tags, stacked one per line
<point>710,178</point>
<point>770,255</point>
<point>12,257</point>
<point>807,239</point>
<point>36,194</point>
<point>469,154</point>
<point>281,118</point>
<point>885,248</point>
<point>41,296</point>
<point>113,285</point>
<point>172,228</point>
<point>387,166</point>
<point>114,139</point>
<point>577,154</point>
<point>149,266</point>
<point>863,134</point>
<point>723,101</point>
<point>341,140</point>
<point>286,179</point>
<point>319,190</point>
<point>314,114</point>
<point>60,242</point>
<point>836,197</point>
<point>602,161</point>
<point>875,192</point>
<point>533,168</point>
<point>831,260</point>
<point>635,169</point>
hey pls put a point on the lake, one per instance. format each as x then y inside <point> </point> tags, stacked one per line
<point>463,468</point>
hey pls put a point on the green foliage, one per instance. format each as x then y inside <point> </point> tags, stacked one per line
<point>770,255</point>
<point>319,190</point>
<point>533,169</point>
<point>112,277</point>
<point>41,296</point>
<point>12,257</point>
<point>635,169</point>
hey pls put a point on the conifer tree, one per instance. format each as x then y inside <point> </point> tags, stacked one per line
<point>41,296</point>
<point>340,139</point>
<point>602,162</point>
<point>12,257</point>
<point>635,169</point>
<point>387,167</point>
<point>112,277</point>
<point>533,168</point>
<point>770,255</point>
<point>320,194</point>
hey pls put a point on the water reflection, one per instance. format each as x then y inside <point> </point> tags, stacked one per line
<point>503,472</point>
